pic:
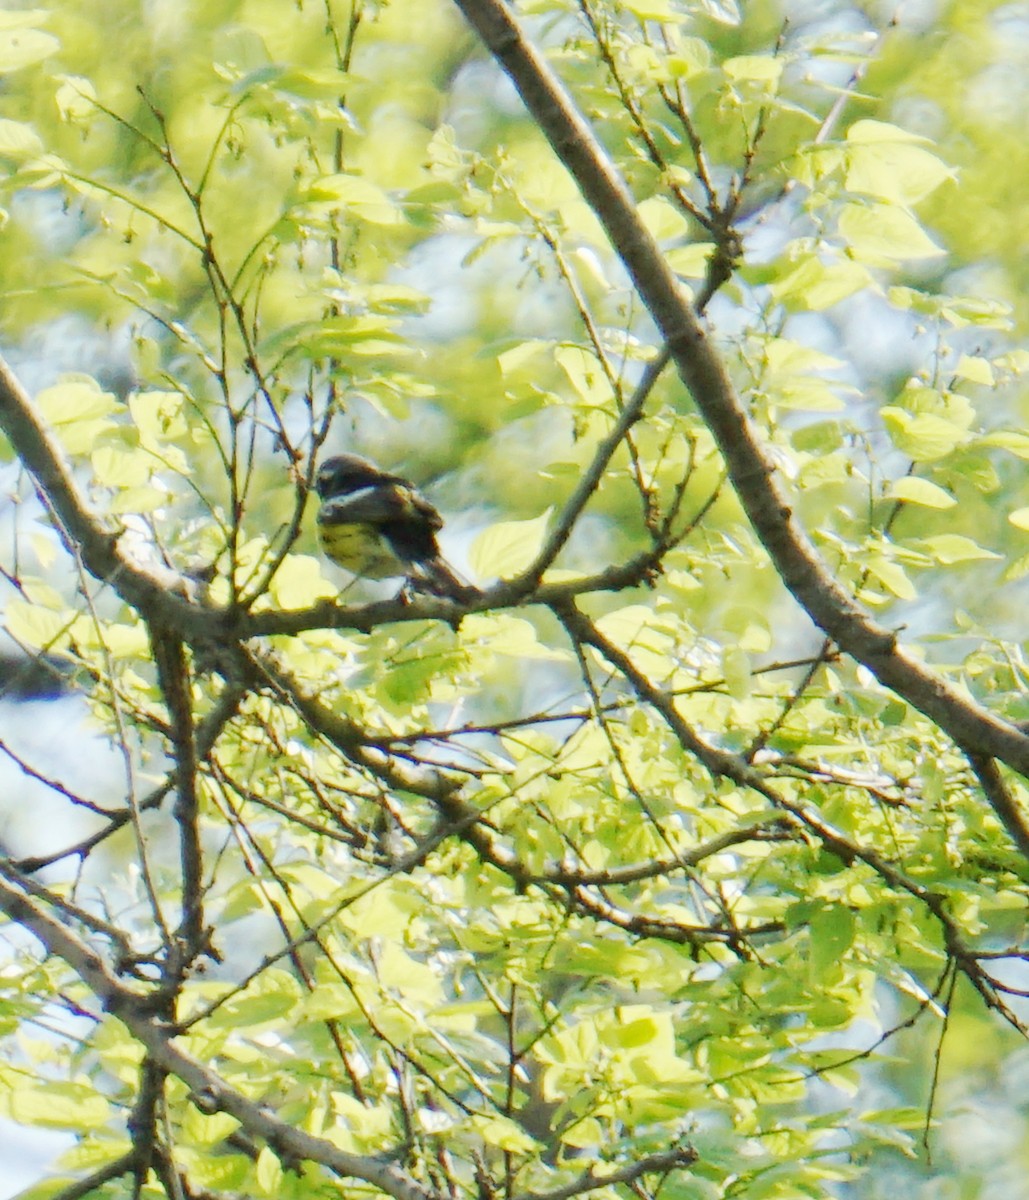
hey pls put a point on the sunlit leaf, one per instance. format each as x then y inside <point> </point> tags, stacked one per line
<point>18,140</point>
<point>508,547</point>
<point>58,1105</point>
<point>886,161</point>
<point>974,369</point>
<point>358,196</point>
<point>881,235</point>
<point>913,490</point>
<point>924,437</point>
<point>22,47</point>
<point>754,68</point>
<point>817,285</point>
<point>951,548</point>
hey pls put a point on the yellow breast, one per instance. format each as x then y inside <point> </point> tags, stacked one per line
<point>361,550</point>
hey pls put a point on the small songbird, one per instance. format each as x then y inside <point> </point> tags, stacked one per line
<point>379,526</point>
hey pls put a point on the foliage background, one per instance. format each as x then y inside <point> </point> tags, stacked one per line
<point>617,870</point>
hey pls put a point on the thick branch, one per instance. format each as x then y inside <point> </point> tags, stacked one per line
<point>150,588</point>
<point>651,1164</point>
<point>751,470</point>
<point>210,1091</point>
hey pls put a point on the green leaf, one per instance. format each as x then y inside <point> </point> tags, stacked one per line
<point>913,490</point>
<point>268,1172</point>
<point>503,633</point>
<point>1020,518</point>
<point>886,161</point>
<point>951,548</point>
<point>522,355</point>
<point>159,417</point>
<point>118,465</point>
<point>18,141</point>
<point>269,1000</point>
<point>355,194</point>
<point>690,261</point>
<point>974,369</point>
<point>79,411</point>
<point>892,576</point>
<point>691,56</point>
<point>792,376</point>
<point>585,374</point>
<point>958,311</point>
<point>36,626</point>
<point>761,69</point>
<point>300,582</point>
<point>23,47</point>
<point>881,235</point>
<point>503,1133</point>
<point>831,930</point>
<point>76,98</point>
<point>1014,442</point>
<point>819,438</point>
<point>338,337</point>
<point>924,437</point>
<point>509,547</point>
<point>815,285</point>
<point>663,220</point>
<point>58,1104</point>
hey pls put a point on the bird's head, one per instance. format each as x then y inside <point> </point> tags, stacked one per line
<point>345,473</point>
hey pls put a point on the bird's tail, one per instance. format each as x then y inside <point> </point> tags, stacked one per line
<point>439,578</point>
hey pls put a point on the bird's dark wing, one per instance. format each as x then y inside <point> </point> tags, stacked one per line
<point>380,504</point>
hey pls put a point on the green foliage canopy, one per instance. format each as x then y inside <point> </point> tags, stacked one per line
<point>655,867</point>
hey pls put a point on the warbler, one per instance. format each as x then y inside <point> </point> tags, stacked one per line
<point>379,526</point>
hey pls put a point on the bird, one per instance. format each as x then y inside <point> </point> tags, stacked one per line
<point>377,525</point>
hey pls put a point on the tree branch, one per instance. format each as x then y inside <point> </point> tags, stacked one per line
<point>751,470</point>
<point>210,1092</point>
<point>650,1164</point>
<point>151,589</point>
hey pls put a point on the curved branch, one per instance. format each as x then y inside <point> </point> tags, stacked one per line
<point>209,1091</point>
<point>151,589</point>
<point>651,1164</point>
<point>751,470</point>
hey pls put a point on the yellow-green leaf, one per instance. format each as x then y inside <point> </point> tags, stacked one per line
<point>79,411</point>
<point>504,1133</point>
<point>299,582</point>
<point>892,576</point>
<point>357,195</point>
<point>269,1172</point>
<point>881,235</point>
<point>58,1105</point>
<point>35,626</point>
<point>585,374</point>
<point>754,68</point>
<point>118,465</point>
<point>1009,439</point>
<point>76,98</point>
<point>18,140</point>
<point>22,47</point>
<point>817,285</point>
<point>158,417</point>
<point>974,369</point>
<point>508,547</point>
<point>922,436</point>
<point>913,490</point>
<point>663,221</point>
<point>885,161</point>
<point>690,261</point>
<point>951,548</point>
